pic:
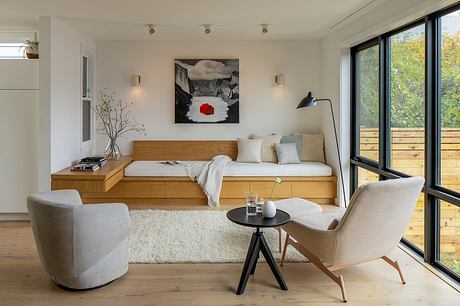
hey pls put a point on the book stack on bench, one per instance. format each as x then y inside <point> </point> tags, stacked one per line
<point>90,164</point>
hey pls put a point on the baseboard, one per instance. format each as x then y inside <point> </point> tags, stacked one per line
<point>14,216</point>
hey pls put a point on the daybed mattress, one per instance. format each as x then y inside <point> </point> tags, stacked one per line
<point>156,168</point>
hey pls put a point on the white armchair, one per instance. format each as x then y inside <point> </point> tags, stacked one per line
<point>369,229</point>
<point>80,246</point>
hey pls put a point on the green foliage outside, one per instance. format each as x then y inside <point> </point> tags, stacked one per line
<point>407,77</point>
<point>369,87</point>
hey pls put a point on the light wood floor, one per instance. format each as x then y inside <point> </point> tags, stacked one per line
<point>23,282</point>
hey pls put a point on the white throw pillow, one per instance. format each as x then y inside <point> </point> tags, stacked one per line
<point>312,147</point>
<point>287,153</point>
<point>268,146</point>
<point>249,150</point>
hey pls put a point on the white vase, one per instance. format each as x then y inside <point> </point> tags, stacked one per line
<point>269,209</point>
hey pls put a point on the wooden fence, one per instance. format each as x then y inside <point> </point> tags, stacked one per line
<point>407,156</point>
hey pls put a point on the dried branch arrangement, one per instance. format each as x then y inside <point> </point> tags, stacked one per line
<point>115,121</point>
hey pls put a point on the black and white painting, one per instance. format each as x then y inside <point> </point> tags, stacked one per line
<point>207,91</point>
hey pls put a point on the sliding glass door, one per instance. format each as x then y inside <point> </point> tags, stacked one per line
<point>406,122</point>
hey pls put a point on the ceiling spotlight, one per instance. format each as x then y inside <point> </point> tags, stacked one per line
<point>151,28</point>
<point>207,28</point>
<point>264,28</point>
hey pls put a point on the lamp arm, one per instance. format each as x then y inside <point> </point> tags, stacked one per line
<point>338,151</point>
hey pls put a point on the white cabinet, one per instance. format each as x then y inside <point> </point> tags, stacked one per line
<point>18,133</point>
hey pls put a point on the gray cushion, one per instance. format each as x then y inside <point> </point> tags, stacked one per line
<point>287,153</point>
<point>297,139</point>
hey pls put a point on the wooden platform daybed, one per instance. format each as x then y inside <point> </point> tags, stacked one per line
<point>112,186</point>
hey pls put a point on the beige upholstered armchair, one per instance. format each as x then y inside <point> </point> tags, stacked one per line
<point>369,229</point>
<point>80,246</point>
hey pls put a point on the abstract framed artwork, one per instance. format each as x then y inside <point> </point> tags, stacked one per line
<point>207,91</point>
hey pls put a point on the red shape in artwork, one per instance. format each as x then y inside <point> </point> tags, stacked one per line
<point>207,109</point>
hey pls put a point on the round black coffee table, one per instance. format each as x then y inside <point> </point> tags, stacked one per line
<point>258,243</point>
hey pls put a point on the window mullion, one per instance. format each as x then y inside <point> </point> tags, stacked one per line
<point>431,139</point>
<point>354,121</point>
<point>384,104</point>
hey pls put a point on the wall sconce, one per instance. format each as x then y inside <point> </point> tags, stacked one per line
<point>136,80</point>
<point>279,80</point>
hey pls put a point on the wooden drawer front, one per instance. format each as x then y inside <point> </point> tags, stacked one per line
<point>81,186</point>
<point>264,189</point>
<point>186,190</point>
<point>314,190</point>
<point>116,191</point>
<point>234,189</point>
<point>112,181</point>
<point>144,190</point>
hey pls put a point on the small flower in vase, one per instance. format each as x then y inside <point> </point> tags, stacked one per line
<point>278,181</point>
<point>269,208</point>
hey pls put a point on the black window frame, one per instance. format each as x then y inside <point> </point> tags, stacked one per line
<point>433,191</point>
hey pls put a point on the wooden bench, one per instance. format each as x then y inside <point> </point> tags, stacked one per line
<point>182,191</point>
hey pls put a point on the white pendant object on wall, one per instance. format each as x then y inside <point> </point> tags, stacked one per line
<point>269,209</point>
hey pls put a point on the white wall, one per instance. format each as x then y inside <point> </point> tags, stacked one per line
<point>60,92</point>
<point>335,67</point>
<point>264,108</point>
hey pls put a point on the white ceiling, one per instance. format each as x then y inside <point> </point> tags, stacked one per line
<point>182,19</point>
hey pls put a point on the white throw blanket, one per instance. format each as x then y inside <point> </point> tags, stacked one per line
<point>209,176</point>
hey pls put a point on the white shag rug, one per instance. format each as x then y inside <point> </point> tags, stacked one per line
<point>194,236</point>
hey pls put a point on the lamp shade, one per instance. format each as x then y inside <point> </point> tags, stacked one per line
<point>308,101</point>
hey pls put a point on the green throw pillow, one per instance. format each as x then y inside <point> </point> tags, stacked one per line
<point>297,139</point>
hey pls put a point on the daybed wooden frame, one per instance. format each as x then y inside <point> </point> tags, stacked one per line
<point>182,191</point>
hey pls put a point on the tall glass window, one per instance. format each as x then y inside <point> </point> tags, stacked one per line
<point>368,83</point>
<point>450,101</point>
<point>413,104</point>
<point>407,100</point>
<point>86,97</point>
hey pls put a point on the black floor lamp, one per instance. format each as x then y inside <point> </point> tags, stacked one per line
<point>311,101</point>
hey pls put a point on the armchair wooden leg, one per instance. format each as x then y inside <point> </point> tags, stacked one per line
<point>285,249</point>
<point>342,288</point>
<point>395,265</point>
<point>338,279</point>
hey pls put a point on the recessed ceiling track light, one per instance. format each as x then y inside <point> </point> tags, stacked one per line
<point>151,28</point>
<point>207,28</point>
<point>264,28</point>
